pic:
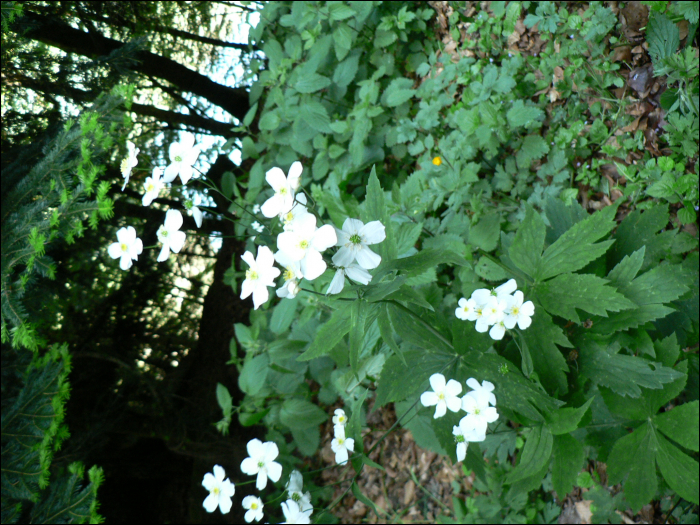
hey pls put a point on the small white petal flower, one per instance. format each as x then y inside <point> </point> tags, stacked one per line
<point>293,513</point>
<point>261,462</point>
<point>220,491</point>
<point>465,308</point>
<point>483,392</point>
<point>183,155</point>
<point>254,506</point>
<point>340,418</point>
<point>444,396</point>
<point>129,162</point>
<point>283,199</point>
<point>502,293</point>
<point>152,186</point>
<point>498,330</point>
<point>294,177</point>
<point>354,239</point>
<point>298,210</point>
<point>305,244</point>
<point>341,445</point>
<point>476,405</point>
<point>127,248</point>
<point>259,276</point>
<point>519,312</point>
<point>257,226</point>
<point>170,236</point>
<point>295,492</point>
<point>256,208</point>
<point>463,438</point>
<point>354,272</point>
<point>494,311</point>
<point>193,209</point>
<point>291,275</point>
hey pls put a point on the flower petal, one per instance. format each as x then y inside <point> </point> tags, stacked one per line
<point>324,238</point>
<point>373,232</point>
<point>211,502</point>
<point>274,471</point>
<point>275,178</point>
<point>357,274</point>
<point>437,382</point>
<point>367,259</point>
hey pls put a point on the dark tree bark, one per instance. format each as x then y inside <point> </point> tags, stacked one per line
<point>56,33</point>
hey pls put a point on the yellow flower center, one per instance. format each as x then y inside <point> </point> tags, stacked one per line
<point>251,275</point>
<point>178,158</point>
<point>150,186</point>
<point>283,191</point>
<point>441,396</point>
<point>304,245</point>
<point>124,166</point>
<point>254,505</point>
<point>341,441</point>
<point>289,274</point>
<point>515,310</point>
<point>341,419</point>
<point>216,490</point>
<point>124,247</point>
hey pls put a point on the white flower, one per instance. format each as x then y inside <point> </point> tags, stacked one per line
<point>462,439</point>
<point>517,312</point>
<point>293,513</point>
<point>254,506</point>
<point>294,490</point>
<point>183,155</point>
<point>283,199</point>
<point>340,418</point>
<point>354,239</point>
<point>354,272</point>
<point>502,293</point>
<point>169,235</point>
<point>298,210</point>
<point>492,313</point>
<point>259,276</point>
<point>152,186</point>
<point>128,247</point>
<point>305,243</point>
<point>193,209</point>
<point>129,162</point>
<point>443,395</point>
<point>291,275</point>
<point>220,491</point>
<point>289,290</point>
<point>465,309</point>
<point>498,330</point>
<point>341,445</point>
<point>257,226</point>
<point>476,404</point>
<point>256,208</point>
<point>261,462</point>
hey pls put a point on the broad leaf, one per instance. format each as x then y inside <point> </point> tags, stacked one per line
<point>535,454</point>
<point>632,461</point>
<point>300,414</point>
<point>542,337</point>
<point>678,469</point>
<point>567,461</point>
<point>681,425</point>
<point>329,335</point>
<point>526,249</point>
<point>566,420</point>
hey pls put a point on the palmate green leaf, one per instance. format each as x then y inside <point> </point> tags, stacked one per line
<point>542,338</point>
<point>401,381</point>
<point>623,374</point>
<point>562,217</point>
<point>410,295</point>
<point>626,270</point>
<point>521,115</point>
<point>533,147</point>
<point>663,37</point>
<point>416,330</point>
<point>300,414</point>
<point>329,335</point>
<point>387,332</point>
<point>567,461</point>
<point>681,425</point>
<point>563,294</point>
<point>678,469</point>
<point>575,248</point>
<point>526,249</point>
<point>513,391</point>
<point>535,454</point>
<point>632,461</point>
<point>639,229</point>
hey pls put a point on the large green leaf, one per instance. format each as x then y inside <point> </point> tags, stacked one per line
<point>300,414</point>
<point>425,260</point>
<point>567,461</point>
<point>590,293</point>
<point>681,425</point>
<point>632,461</point>
<point>535,454</point>
<point>253,375</point>
<point>678,469</point>
<point>358,314</point>
<point>526,249</point>
<point>623,374</point>
<point>415,330</point>
<point>330,334</point>
<point>376,210</point>
<point>542,338</point>
<point>315,115</point>
<point>575,248</point>
<point>566,420</point>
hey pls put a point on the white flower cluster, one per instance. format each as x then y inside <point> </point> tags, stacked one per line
<point>301,243</point>
<point>341,445</point>
<point>497,309</point>
<point>297,508</point>
<point>183,155</point>
<point>479,404</point>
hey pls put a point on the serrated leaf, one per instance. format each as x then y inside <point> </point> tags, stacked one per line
<point>637,230</point>
<point>424,260</point>
<point>345,71</point>
<point>409,295</point>
<point>387,332</point>
<point>489,270</point>
<point>622,373</point>
<point>300,414</point>
<point>631,318</point>
<point>253,375</point>
<point>415,330</point>
<point>662,36</point>
<point>678,469</point>
<point>312,83</point>
<point>315,115</point>
<point>662,284</point>
<point>329,335</point>
<point>632,461</point>
<point>526,249</point>
<point>521,115</point>
<point>535,454</point>
<point>486,232</point>
<point>376,210</point>
<point>626,270</point>
<point>575,248</point>
<point>566,420</point>
<point>533,147</point>
<point>563,294</point>
<point>681,425</point>
<point>543,336</point>
<point>567,461</point>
